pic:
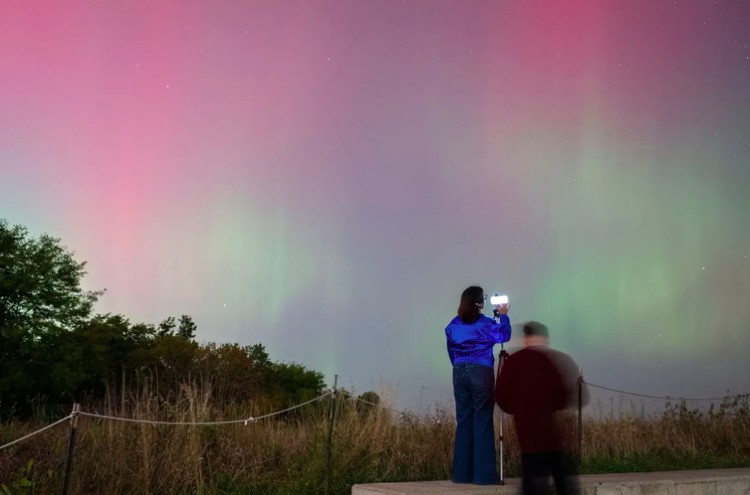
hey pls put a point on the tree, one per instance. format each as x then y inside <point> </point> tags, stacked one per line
<point>40,285</point>
<point>167,326</point>
<point>187,328</point>
<point>294,383</point>
<point>105,352</point>
<point>233,375</point>
<point>367,402</point>
<point>40,297</point>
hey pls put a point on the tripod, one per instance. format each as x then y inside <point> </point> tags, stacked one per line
<point>501,360</point>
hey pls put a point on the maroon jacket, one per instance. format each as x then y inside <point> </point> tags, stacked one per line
<point>532,385</point>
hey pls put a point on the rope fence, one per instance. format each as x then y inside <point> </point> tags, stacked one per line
<point>667,397</point>
<point>207,423</point>
<point>36,432</point>
<point>244,421</point>
<point>251,419</point>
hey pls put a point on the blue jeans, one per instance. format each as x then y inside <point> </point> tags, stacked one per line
<point>474,446</point>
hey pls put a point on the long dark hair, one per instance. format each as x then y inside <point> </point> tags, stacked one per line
<point>470,307</point>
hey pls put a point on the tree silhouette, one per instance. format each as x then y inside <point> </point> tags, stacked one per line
<point>40,284</point>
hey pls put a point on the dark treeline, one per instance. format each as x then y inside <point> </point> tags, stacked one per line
<point>54,350</point>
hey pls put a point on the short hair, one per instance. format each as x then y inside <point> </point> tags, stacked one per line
<point>532,328</point>
<point>470,306</point>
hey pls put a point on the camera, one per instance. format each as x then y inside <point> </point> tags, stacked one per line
<point>498,299</point>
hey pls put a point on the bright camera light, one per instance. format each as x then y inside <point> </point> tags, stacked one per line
<point>498,299</point>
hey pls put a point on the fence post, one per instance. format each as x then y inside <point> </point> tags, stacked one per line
<point>71,446</point>
<point>580,414</point>
<point>329,447</point>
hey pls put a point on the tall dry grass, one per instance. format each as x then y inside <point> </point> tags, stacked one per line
<point>680,437</point>
<point>287,454</point>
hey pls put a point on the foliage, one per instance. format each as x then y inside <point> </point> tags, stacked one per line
<point>23,484</point>
<point>40,297</point>
<point>40,284</point>
<point>367,403</point>
<point>107,354</point>
<point>54,352</point>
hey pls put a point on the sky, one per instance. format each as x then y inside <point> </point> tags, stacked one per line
<point>325,178</point>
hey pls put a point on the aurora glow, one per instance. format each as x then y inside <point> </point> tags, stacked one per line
<point>327,177</point>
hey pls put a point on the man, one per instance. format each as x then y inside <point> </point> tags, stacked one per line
<point>534,385</point>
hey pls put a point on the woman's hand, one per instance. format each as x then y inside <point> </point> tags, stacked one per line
<point>502,308</point>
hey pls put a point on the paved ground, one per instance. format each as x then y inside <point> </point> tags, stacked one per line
<point>712,481</point>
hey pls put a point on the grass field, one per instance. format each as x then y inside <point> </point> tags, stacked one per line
<point>287,454</point>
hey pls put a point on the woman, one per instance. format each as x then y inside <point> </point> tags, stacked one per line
<point>471,337</point>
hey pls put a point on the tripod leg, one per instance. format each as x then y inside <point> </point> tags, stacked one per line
<point>502,438</point>
<point>502,357</point>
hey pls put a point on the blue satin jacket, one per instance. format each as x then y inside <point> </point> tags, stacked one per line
<point>473,342</point>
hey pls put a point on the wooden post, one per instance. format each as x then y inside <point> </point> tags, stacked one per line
<point>329,447</point>
<point>580,414</point>
<point>71,446</point>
